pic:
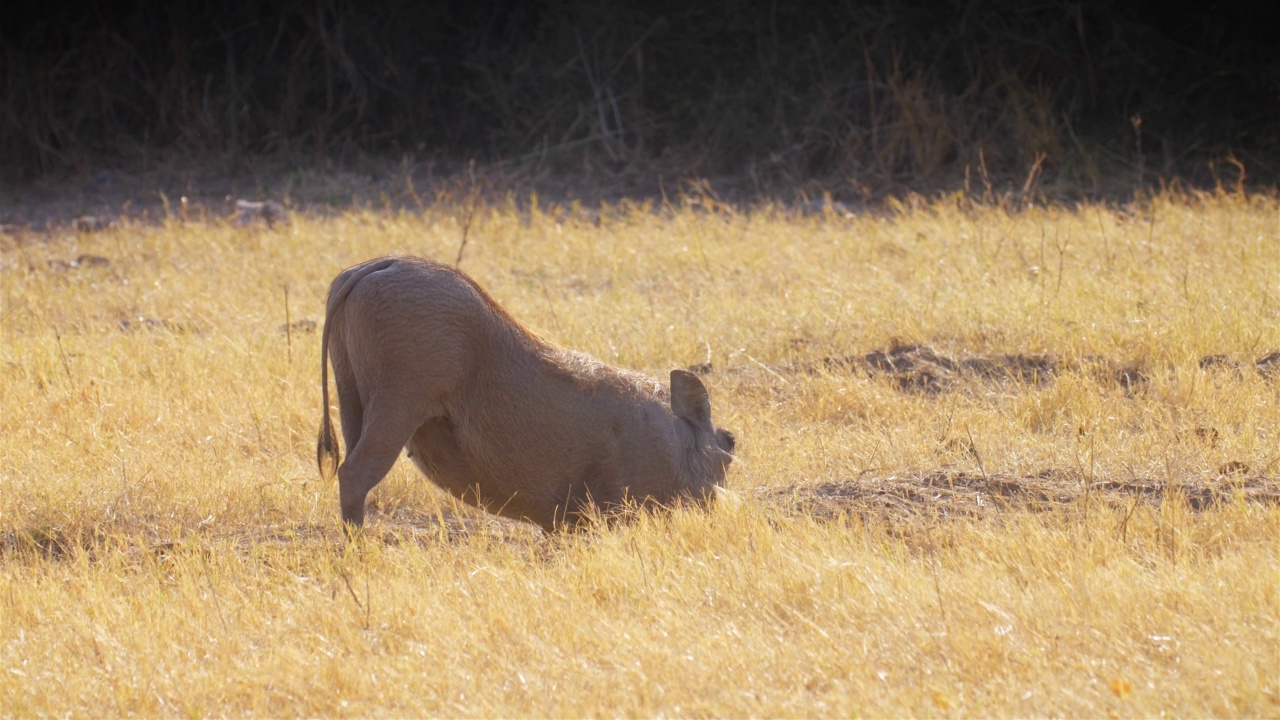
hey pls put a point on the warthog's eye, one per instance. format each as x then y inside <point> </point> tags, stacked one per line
<point>727,441</point>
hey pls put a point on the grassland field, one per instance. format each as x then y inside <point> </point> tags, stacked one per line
<point>992,461</point>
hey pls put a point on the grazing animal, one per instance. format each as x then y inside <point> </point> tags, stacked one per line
<point>269,210</point>
<point>424,359</point>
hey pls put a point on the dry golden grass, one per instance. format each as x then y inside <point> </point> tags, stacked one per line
<point>166,547</point>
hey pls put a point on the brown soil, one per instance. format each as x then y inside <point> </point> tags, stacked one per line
<point>921,369</point>
<point>949,494</point>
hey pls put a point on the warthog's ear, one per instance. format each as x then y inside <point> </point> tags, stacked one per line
<point>689,398</point>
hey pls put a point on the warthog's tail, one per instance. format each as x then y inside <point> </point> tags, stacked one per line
<point>327,454</point>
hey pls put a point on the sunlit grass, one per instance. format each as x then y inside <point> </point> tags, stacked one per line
<point>167,548</point>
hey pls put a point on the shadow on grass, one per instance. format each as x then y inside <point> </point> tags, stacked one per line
<point>939,495</point>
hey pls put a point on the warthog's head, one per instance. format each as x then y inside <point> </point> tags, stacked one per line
<point>706,450</point>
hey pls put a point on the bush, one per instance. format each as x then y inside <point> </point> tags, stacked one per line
<point>859,95</point>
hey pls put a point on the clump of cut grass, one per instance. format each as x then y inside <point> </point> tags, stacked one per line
<point>994,461</point>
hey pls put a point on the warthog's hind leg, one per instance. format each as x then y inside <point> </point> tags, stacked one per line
<point>350,410</point>
<point>381,440</point>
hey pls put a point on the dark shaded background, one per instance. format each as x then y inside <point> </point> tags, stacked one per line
<point>860,98</point>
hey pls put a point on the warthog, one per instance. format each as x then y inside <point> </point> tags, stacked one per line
<point>425,359</point>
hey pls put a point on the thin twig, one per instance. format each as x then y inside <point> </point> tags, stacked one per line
<point>550,305</point>
<point>213,592</point>
<point>66,367</point>
<point>973,448</point>
<point>288,325</point>
<point>347,581</point>
<point>937,591</point>
<point>413,192</point>
<point>768,369</point>
<point>473,201</point>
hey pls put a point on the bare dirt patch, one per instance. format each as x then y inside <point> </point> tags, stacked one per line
<point>920,369</point>
<point>948,494</point>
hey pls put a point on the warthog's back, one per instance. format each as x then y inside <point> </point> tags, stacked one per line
<point>424,358</point>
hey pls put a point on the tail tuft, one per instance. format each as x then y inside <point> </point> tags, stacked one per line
<point>327,454</point>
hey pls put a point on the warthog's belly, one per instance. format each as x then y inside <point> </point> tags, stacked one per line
<point>437,452</point>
